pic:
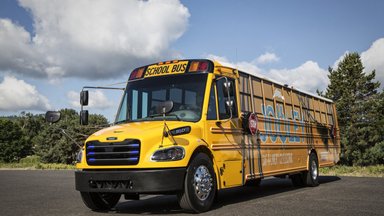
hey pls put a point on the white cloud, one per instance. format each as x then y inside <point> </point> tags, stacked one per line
<point>97,100</point>
<point>17,95</point>
<point>372,59</point>
<point>249,67</point>
<point>91,38</point>
<point>267,58</point>
<point>308,76</point>
<point>17,53</point>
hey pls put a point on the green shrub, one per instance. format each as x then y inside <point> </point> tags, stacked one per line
<point>33,159</point>
<point>13,144</point>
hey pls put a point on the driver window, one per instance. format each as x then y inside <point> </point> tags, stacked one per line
<point>222,99</point>
<point>211,114</point>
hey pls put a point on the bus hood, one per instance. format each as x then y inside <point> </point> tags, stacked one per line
<point>137,130</point>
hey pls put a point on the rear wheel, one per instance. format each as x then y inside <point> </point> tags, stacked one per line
<point>199,190</point>
<point>311,177</point>
<point>100,201</point>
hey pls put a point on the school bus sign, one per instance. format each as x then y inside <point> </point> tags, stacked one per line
<point>194,127</point>
<point>166,69</point>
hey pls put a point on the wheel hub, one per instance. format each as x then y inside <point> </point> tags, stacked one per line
<point>314,170</point>
<point>202,182</point>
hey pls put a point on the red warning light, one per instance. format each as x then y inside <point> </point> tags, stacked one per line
<point>137,74</point>
<point>198,66</point>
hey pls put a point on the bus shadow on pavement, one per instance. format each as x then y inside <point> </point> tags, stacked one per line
<point>167,204</point>
<point>328,179</point>
<point>161,204</point>
<point>268,187</point>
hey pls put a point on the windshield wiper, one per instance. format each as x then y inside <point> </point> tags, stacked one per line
<point>122,121</point>
<point>146,118</point>
<point>160,115</point>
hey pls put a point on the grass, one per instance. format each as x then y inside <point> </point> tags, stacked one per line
<point>358,171</point>
<point>33,163</point>
<point>38,166</point>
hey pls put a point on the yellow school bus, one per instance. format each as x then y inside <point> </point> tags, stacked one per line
<point>194,127</point>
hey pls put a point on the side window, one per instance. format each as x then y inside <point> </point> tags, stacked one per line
<point>123,112</point>
<point>139,104</point>
<point>211,114</point>
<point>222,95</point>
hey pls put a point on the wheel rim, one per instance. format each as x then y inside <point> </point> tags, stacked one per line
<point>202,182</point>
<point>314,170</point>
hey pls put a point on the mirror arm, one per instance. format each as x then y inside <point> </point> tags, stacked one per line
<point>65,133</point>
<point>229,99</point>
<point>166,107</point>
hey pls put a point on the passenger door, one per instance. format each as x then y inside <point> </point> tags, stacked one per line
<point>224,133</point>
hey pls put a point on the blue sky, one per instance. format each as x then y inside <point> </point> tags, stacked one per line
<point>50,49</point>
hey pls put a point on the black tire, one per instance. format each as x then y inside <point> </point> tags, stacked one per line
<point>311,177</point>
<point>100,201</point>
<point>200,185</point>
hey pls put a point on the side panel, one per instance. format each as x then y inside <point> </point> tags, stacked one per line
<point>291,124</point>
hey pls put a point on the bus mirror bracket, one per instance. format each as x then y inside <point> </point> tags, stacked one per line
<point>164,108</point>
<point>84,99</point>
<point>229,106</point>
<point>228,91</point>
<point>228,88</point>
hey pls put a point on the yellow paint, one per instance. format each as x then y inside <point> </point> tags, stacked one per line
<point>236,156</point>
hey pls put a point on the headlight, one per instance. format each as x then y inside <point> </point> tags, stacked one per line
<point>79,156</point>
<point>169,154</point>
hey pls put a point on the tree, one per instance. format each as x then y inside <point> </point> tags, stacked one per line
<point>358,105</point>
<point>55,147</point>
<point>29,134</point>
<point>13,145</point>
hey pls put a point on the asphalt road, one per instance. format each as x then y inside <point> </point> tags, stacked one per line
<point>36,192</point>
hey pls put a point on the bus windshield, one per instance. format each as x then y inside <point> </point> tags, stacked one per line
<point>141,98</point>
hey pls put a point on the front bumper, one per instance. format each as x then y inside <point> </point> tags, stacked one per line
<point>131,181</point>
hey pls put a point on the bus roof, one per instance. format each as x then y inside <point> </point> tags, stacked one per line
<point>285,85</point>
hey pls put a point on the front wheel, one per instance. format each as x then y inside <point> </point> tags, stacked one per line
<point>100,201</point>
<point>199,185</point>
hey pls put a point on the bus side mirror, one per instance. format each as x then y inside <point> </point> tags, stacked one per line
<point>84,98</point>
<point>164,107</point>
<point>228,88</point>
<point>52,116</point>
<point>229,106</point>
<point>84,117</point>
<point>228,93</point>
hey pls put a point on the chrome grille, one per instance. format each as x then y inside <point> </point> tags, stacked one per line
<point>126,152</point>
